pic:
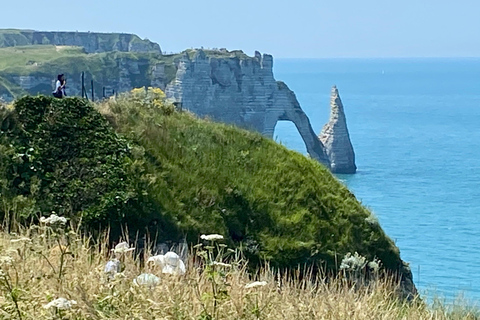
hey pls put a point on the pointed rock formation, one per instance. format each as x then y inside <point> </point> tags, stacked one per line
<point>336,139</point>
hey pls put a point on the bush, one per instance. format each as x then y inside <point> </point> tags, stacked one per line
<point>174,176</point>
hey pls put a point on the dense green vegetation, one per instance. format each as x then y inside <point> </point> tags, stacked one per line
<point>137,161</point>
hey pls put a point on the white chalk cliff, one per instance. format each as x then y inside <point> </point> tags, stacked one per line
<point>240,90</point>
<point>336,139</point>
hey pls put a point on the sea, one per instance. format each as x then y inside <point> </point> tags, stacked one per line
<point>415,128</point>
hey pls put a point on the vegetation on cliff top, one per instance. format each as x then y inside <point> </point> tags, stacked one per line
<point>177,176</point>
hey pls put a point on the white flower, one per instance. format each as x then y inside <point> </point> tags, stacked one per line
<point>22,239</point>
<point>170,263</point>
<point>122,247</point>
<point>158,260</point>
<point>211,237</point>
<point>60,303</point>
<point>112,268</point>
<point>221,264</point>
<point>53,220</point>
<point>147,279</point>
<point>256,284</point>
<point>374,265</point>
<point>353,263</point>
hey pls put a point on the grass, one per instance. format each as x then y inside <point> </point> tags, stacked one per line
<point>175,176</point>
<point>31,57</point>
<point>30,278</point>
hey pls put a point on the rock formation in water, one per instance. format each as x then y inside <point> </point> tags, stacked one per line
<point>92,42</point>
<point>241,90</point>
<point>336,139</point>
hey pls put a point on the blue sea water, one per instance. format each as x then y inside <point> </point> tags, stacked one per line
<point>415,128</point>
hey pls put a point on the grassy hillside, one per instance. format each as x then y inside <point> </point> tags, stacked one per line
<point>176,177</point>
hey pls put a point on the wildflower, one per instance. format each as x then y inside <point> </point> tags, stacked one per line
<point>256,284</point>
<point>122,247</point>
<point>211,237</point>
<point>112,268</point>
<point>353,263</point>
<point>170,263</point>
<point>60,303</point>
<point>158,260</point>
<point>374,265</point>
<point>221,264</point>
<point>22,239</point>
<point>147,279</point>
<point>53,220</point>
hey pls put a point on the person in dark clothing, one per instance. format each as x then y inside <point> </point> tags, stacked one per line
<point>60,87</point>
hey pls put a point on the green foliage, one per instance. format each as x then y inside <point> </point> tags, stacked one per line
<point>64,157</point>
<point>277,204</point>
<point>179,176</point>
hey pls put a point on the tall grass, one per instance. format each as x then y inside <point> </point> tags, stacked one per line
<point>30,278</point>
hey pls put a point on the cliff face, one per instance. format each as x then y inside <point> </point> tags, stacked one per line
<point>91,42</point>
<point>336,139</point>
<point>226,86</point>
<point>240,90</point>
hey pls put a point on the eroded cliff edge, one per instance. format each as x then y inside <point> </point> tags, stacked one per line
<point>243,91</point>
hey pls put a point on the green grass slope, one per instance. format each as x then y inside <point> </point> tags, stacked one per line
<point>179,176</point>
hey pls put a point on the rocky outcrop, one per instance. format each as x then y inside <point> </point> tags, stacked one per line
<point>336,139</point>
<point>92,42</point>
<point>227,86</point>
<point>241,90</point>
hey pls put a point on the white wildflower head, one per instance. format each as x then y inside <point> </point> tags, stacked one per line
<point>112,268</point>
<point>256,284</point>
<point>122,247</point>
<point>53,220</point>
<point>211,237</point>
<point>60,303</point>
<point>171,263</point>
<point>147,279</point>
<point>374,265</point>
<point>158,260</point>
<point>353,262</point>
<point>221,264</point>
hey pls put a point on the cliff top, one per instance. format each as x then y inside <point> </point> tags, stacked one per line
<point>92,42</point>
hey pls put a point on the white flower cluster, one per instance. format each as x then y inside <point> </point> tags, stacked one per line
<point>211,237</point>
<point>122,247</point>
<point>147,279</point>
<point>353,262</point>
<point>53,220</point>
<point>169,262</point>
<point>60,303</point>
<point>112,268</point>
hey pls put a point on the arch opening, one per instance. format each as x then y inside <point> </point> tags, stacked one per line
<point>286,133</point>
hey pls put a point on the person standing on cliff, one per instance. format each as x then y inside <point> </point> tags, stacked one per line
<point>60,86</point>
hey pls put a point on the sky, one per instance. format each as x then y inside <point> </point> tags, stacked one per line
<point>286,29</point>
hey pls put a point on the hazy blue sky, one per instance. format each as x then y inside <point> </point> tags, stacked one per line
<point>301,28</point>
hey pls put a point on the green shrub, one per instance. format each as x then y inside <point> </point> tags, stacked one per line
<point>173,175</point>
